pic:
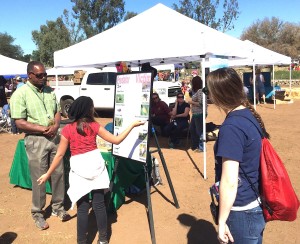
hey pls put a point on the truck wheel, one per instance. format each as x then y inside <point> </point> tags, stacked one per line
<point>65,105</point>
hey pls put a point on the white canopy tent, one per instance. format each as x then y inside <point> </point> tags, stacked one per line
<point>9,66</point>
<point>261,56</point>
<point>147,37</point>
<point>153,36</point>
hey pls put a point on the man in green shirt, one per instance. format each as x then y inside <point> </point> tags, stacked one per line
<point>36,112</point>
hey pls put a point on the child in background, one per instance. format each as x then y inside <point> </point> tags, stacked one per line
<point>87,168</point>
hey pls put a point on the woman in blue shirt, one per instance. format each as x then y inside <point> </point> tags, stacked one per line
<point>237,152</point>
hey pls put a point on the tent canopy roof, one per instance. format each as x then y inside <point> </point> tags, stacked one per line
<point>260,56</point>
<point>12,67</point>
<point>153,36</point>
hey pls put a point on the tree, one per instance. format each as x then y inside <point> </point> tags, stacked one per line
<point>205,11</point>
<point>52,37</point>
<point>76,33</point>
<point>8,49</point>
<point>276,35</point>
<point>129,15</point>
<point>95,16</point>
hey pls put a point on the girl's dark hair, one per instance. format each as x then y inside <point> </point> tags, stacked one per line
<point>196,83</point>
<point>83,123</point>
<point>226,91</point>
<point>82,112</point>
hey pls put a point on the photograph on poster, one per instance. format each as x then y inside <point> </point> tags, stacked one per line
<point>129,107</point>
<point>146,87</point>
<point>144,110</point>
<point>143,136</point>
<point>143,150</point>
<point>119,122</point>
<point>145,97</point>
<point>120,98</point>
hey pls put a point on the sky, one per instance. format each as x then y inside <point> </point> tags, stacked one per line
<point>20,17</point>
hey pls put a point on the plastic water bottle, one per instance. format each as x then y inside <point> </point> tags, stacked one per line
<point>157,179</point>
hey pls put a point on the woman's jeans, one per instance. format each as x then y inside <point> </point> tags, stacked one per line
<point>197,131</point>
<point>247,226</point>
<point>174,131</point>
<point>83,207</point>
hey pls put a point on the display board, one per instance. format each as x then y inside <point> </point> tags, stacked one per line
<point>132,102</point>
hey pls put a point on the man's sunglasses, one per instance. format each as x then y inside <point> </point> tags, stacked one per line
<point>205,90</point>
<point>39,75</point>
<point>180,97</point>
<point>154,98</point>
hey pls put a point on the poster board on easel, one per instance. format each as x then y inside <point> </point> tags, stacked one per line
<point>132,102</point>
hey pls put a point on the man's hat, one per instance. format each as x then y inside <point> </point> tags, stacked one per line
<point>18,78</point>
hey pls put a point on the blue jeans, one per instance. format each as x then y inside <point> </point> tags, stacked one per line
<point>174,130</point>
<point>197,131</point>
<point>247,226</point>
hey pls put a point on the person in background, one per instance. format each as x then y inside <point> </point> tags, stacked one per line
<point>36,112</point>
<point>196,126</point>
<point>6,111</point>
<point>14,128</point>
<point>259,86</point>
<point>179,120</point>
<point>184,87</point>
<point>3,99</point>
<point>19,82</point>
<point>237,154</point>
<point>160,112</point>
<point>88,171</point>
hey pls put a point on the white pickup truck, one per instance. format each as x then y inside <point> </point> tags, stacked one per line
<point>100,86</point>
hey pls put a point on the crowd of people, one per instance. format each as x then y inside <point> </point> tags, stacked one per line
<point>35,111</point>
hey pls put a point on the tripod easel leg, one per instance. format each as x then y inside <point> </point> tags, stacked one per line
<point>165,168</point>
<point>149,205</point>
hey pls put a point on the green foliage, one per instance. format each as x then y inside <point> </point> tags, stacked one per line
<point>205,11</point>
<point>96,16</point>
<point>76,33</point>
<point>129,15</point>
<point>52,37</point>
<point>285,75</point>
<point>276,35</point>
<point>8,49</point>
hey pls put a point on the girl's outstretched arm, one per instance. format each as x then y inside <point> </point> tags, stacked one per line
<point>107,136</point>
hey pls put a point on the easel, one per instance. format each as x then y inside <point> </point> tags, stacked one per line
<point>150,214</point>
<point>147,180</point>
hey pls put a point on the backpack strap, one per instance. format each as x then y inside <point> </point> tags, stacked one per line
<point>258,195</point>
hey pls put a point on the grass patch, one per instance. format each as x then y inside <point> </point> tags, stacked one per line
<point>285,75</point>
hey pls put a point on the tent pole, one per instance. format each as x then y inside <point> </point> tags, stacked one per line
<point>56,78</point>
<point>274,87</point>
<point>290,79</point>
<point>204,117</point>
<point>254,88</point>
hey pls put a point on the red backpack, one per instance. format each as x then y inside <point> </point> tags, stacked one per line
<point>276,188</point>
<point>278,198</point>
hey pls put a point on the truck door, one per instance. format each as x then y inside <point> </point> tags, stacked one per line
<point>101,88</point>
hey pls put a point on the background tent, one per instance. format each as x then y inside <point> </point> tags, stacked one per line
<point>152,36</point>
<point>12,67</point>
<point>259,55</point>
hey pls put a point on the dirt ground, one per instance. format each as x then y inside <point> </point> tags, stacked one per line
<point>191,223</point>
